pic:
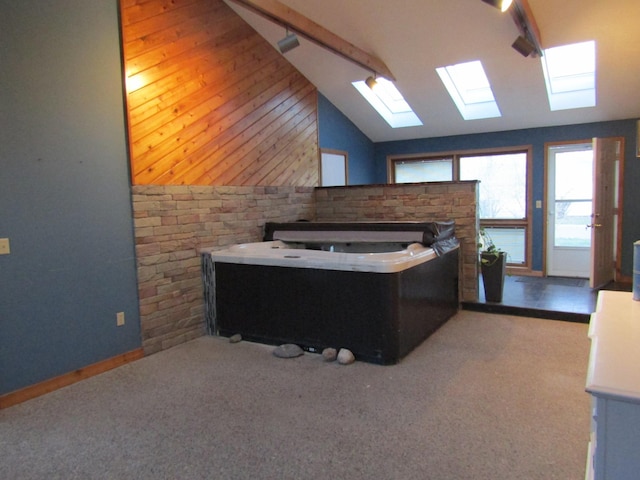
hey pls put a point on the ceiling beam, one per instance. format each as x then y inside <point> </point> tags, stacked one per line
<point>287,17</point>
<point>526,23</point>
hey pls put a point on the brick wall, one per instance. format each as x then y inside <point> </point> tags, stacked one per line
<point>424,202</point>
<point>172,223</point>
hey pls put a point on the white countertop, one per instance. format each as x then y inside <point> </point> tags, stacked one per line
<point>614,363</point>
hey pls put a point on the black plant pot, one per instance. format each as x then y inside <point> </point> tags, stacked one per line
<point>493,266</point>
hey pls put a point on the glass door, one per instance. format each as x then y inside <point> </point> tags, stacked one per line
<point>569,206</point>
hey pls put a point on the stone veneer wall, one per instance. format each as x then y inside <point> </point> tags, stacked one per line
<point>424,202</point>
<point>172,223</point>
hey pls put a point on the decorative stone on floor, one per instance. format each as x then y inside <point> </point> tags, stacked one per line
<point>235,338</point>
<point>345,357</point>
<point>329,354</point>
<point>288,350</point>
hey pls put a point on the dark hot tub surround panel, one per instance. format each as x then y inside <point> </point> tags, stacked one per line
<point>380,317</point>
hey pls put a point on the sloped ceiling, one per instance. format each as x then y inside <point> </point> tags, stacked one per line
<point>413,37</point>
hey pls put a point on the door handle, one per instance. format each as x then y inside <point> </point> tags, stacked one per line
<point>594,225</point>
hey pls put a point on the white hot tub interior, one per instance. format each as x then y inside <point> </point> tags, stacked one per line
<point>382,257</point>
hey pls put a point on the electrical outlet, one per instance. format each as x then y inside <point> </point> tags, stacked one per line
<point>119,319</point>
<point>4,246</point>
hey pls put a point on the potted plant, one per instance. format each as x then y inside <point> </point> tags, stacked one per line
<point>492,265</point>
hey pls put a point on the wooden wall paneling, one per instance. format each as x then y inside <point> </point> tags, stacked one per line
<point>304,169</point>
<point>186,78</point>
<point>170,40</point>
<point>196,114</point>
<point>272,171</point>
<point>143,31</point>
<point>197,121</point>
<point>219,105</point>
<point>285,140</point>
<point>304,158</point>
<point>163,77</point>
<point>226,136</point>
<point>261,136</point>
<point>138,10</point>
<point>298,153</point>
<point>167,81</point>
<point>176,43</point>
<point>195,145</point>
<point>186,134</point>
<point>162,60</point>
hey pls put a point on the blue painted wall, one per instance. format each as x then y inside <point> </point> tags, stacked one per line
<point>65,196</point>
<point>337,132</point>
<point>537,138</point>
<point>64,191</point>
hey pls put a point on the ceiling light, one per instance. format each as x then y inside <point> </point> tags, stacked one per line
<point>371,82</point>
<point>503,5</point>
<point>289,42</point>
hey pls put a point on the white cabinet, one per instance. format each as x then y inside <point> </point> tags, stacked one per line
<point>613,380</point>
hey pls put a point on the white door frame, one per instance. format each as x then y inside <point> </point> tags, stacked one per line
<point>562,261</point>
<point>617,223</point>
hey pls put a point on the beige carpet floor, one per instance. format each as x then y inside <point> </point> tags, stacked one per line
<point>485,397</point>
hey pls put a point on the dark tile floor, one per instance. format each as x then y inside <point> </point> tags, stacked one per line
<point>556,298</point>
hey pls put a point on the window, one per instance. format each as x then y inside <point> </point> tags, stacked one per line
<point>512,240</point>
<point>333,168</point>
<point>431,170</point>
<point>470,90</point>
<point>504,177</point>
<point>503,183</point>
<point>389,103</point>
<point>570,75</point>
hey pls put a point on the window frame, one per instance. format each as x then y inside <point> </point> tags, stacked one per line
<point>321,165</point>
<point>393,160</point>
<point>525,223</point>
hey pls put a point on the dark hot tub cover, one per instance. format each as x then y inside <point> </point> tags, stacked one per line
<point>438,235</point>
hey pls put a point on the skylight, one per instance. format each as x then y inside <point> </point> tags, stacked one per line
<point>570,75</point>
<point>470,90</point>
<point>389,103</point>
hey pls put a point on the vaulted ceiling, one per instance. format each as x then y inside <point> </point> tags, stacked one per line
<point>414,37</point>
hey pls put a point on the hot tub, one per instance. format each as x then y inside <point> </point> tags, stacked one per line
<point>378,289</point>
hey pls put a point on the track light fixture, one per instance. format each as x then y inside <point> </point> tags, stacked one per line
<point>371,82</point>
<point>283,15</point>
<point>289,42</point>
<point>503,5</point>
<point>528,42</point>
<point>523,46</point>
